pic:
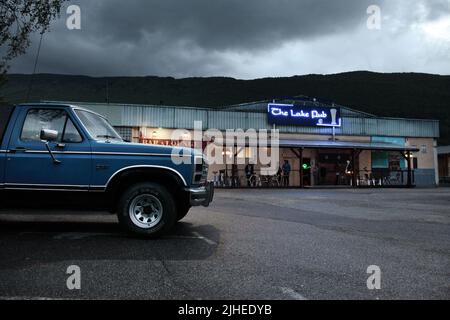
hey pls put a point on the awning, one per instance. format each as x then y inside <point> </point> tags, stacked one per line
<point>324,144</point>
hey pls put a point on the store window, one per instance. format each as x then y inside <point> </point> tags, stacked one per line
<point>388,160</point>
<point>125,132</point>
<point>380,160</point>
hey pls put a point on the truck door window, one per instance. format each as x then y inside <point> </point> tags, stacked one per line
<point>71,134</point>
<point>38,119</point>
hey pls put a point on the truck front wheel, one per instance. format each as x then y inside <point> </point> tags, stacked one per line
<point>182,211</point>
<point>147,209</point>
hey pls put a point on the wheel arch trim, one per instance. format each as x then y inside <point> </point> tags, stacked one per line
<point>146,167</point>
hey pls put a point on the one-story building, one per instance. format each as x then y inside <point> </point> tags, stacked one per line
<point>324,143</point>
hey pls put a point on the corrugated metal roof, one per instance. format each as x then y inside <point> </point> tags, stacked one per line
<point>443,150</point>
<point>184,117</point>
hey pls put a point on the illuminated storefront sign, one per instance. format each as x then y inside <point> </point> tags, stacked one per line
<point>171,143</point>
<point>290,114</point>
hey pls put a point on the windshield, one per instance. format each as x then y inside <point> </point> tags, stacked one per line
<point>97,126</point>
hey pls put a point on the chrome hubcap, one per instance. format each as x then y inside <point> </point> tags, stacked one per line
<point>146,211</point>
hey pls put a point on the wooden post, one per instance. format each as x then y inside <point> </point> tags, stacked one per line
<point>299,155</point>
<point>353,168</point>
<point>409,182</point>
<point>301,168</point>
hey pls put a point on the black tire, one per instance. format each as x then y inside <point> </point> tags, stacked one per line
<point>168,212</point>
<point>182,211</point>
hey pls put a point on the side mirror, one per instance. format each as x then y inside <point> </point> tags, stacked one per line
<point>49,135</point>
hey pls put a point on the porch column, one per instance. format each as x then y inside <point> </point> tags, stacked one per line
<point>301,168</point>
<point>354,168</point>
<point>409,182</point>
<point>299,155</point>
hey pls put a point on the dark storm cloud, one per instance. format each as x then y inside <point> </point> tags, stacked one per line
<point>217,37</point>
<point>229,24</point>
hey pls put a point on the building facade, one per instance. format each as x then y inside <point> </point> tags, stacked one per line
<point>324,144</point>
<point>444,164</point>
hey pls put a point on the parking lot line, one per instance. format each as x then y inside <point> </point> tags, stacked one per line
<point>199,236</point>
<point>293,294</point>
<point>86,235</point>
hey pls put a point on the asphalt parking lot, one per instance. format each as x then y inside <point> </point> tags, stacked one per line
<point>252,244</point>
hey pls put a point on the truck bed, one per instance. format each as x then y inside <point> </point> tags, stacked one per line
<point>5,114</point>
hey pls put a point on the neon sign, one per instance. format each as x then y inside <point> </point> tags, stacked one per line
<point>290,114</point>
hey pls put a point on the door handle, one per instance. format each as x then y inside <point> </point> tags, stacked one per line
<point>18,149</point>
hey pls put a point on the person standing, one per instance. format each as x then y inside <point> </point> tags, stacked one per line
<point>279,177</point>
<point>315,175</point>
<point>337,170</point>
<point>235,176</point>
<point>286,172</point>
<point>249,172</point>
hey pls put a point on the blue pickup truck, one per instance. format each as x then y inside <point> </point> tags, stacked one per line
<point>57,155</point>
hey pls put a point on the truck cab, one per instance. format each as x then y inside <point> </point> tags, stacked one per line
<point>49,150</point>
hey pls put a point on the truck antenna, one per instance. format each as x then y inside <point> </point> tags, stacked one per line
<point>30,85</point>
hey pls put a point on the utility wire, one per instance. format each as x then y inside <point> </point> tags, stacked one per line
<point>34,69</point>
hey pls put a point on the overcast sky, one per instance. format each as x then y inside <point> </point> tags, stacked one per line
<point>245,39</point>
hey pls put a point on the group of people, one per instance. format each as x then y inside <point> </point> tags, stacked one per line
<point>283,172</point>
<point>317,175</point>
